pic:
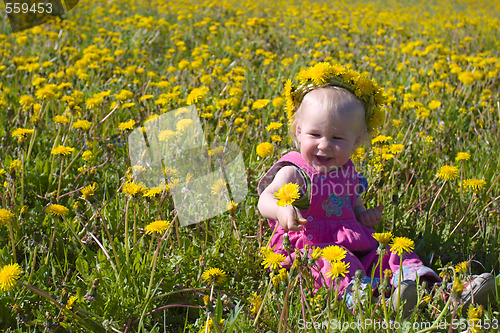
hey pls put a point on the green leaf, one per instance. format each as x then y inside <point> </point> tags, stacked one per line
<point>230,323</point>
<point>82,266</point>
<point>218,310</point>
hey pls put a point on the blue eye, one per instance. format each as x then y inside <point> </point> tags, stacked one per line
<point>337,138</point>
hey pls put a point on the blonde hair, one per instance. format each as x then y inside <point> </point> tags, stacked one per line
<point>338,101</point>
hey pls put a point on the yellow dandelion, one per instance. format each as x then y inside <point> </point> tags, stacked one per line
<point>339,268</point>
<point>474,314</point>
<point>124,94</point>
<point>92,103</point>
<point>265,149</point>
<point>127,125</point>
<point>45,93</point>
<point>87,155</point>
<point>317,73</point>
<point>474,184</point>
<point>132,189</point>
<point>287,92</point>
<point>383,237</point>
<point>276,138</point>
<point>278,102</point>
<point>350,75</point>
<point>402,245</point>
<point>337,69</point>
<point>364,86</point>
<point>158,227</point>
<point>272,259</point>
<point>57,209</point>
<point>381,139</point>
<point>287,194</point>
<point>256,301</point>
<point>466,78</point>
<point>214,275</point>
<point>83,124</point>
<point>60,119</point>
<point>183,124</point>
<point>166,135</point>
<point>448,172</point>
<point>196,95</point>
<point>273,125</point>
<point>151,117</point>
<point>260,103</point>
<point>9,275</point>
<point>15,165</point>
<point>275,280</point>
<point>461,267</point>
<point>462,156</point>
<point>152,192</point>
<point>316,253</point>
<point>5,216</point>
<point>358,155</point>
<point>231,206</point>
<point>21,133</point>
<point>26,101</point>
<point>88,191</point>
<point>396,148</point>
<point>218,187</point>
<point>62,150</point>
<point>70,302</point>
<point>458,287</point>
<point>333,253</point>
<point>128,105</point>
<point>434,105</point>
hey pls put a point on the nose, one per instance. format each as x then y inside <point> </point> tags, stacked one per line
<point>324,144</point>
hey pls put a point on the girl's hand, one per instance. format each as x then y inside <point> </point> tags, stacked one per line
<point>370,217</point>
<point>290,218</point>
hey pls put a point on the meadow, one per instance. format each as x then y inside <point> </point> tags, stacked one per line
<point>84,247</point>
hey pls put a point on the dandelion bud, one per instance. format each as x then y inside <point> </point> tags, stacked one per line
<point>286,240</point>
<point>457,288</point>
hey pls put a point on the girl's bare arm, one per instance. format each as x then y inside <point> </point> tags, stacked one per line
<point>288,217</point>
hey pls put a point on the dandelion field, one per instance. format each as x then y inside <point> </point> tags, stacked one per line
<point>84,248</point>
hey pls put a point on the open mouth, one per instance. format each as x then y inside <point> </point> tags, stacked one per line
<point>323,159</point>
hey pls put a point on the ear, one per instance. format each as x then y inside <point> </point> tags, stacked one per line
<point>359,140</point>
<point>298,131</point>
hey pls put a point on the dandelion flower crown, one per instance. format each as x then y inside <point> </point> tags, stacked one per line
<point>324,74</point>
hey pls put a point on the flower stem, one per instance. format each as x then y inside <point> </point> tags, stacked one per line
<point>60,180</point>
<point>400,279</point>
<point>262,303</point>
<point>126,231</point>
<point>426,227</point>
<point>33,258</point>
<point>439,318</point>
<point>135,223</point>
<point>51,241</point>
<point>151,277</point>
<point>382,292</point>
<point>11,234</point>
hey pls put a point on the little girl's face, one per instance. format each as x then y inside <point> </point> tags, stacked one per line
<point>326,140</point>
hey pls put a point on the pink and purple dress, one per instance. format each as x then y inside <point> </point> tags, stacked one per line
<point>331,221</point>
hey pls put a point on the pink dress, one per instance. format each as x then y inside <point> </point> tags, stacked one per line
<point>331,221</point>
